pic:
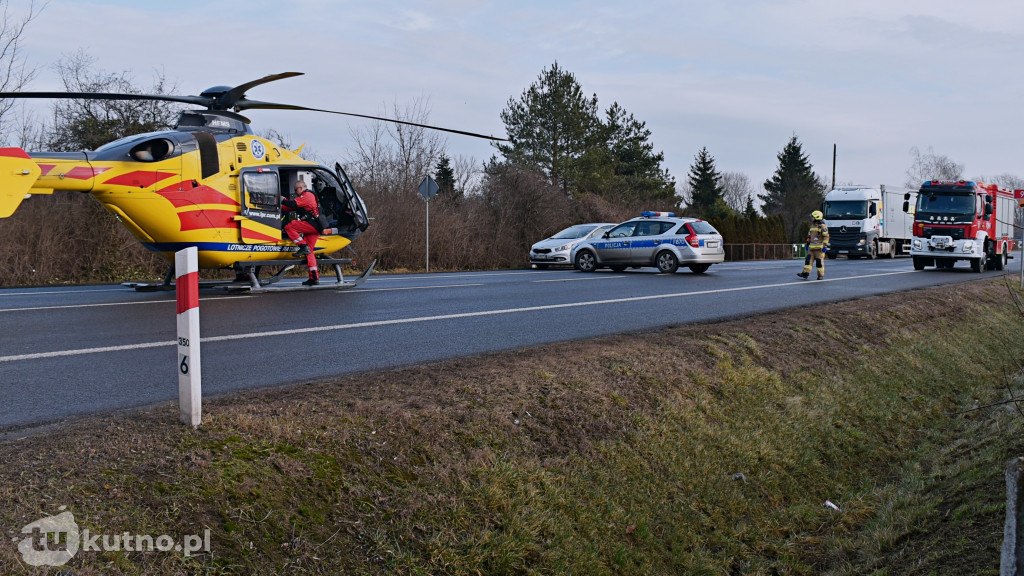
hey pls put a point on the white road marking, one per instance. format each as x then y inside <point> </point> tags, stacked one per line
<point>110,304</point>
<point>413,320</point>
<point>362,290</point>
<point>577,279</point>
<point>36,293</point>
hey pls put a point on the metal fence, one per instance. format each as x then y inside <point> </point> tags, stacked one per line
<point>739,252</point>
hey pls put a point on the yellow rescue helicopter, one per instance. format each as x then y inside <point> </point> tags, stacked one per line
<point>210,183</point>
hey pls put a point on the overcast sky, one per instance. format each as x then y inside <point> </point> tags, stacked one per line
<point>740,77</point>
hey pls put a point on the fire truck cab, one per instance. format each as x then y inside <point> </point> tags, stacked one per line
<point>961,220</point>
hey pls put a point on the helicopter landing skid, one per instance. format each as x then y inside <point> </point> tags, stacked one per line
<point>247,279</point>
<point>267,285</point>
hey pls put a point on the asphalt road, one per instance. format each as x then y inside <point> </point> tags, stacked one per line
<point>72,351</point>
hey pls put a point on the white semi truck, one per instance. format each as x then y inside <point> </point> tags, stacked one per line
<point>868,221</point>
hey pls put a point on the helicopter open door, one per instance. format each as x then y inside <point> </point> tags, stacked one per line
<point>260,218</point>
<point>360,220</point>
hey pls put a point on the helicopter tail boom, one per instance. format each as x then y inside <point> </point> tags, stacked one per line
<point>18,173</point>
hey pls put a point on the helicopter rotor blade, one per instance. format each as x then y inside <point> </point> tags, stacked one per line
<point>233,96</point>
<point>221,98</point>
<point>253,104</point>
<point>197,100</point>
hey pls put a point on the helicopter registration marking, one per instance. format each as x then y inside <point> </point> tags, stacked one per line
<point>257,149</point>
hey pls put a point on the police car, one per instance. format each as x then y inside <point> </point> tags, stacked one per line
<point>656,239</point>
<point>555,251</point>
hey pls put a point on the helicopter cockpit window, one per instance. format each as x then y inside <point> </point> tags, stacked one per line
<point>152,150</point>
<point>262,190</point>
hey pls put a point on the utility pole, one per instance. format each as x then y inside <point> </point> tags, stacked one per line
<point>833,166</point>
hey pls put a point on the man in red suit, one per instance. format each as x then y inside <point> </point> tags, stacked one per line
<point>302,230</point>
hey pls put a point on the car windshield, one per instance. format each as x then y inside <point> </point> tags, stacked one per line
<point>945,203</point>
<point>573,232</point>
<point>846,210</point>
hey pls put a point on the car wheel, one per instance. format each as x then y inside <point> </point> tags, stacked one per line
<point>666,262</point>
<point>586,261</point>
<point>699,268</point>
<point>541,266</point>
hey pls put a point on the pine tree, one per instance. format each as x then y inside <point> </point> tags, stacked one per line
<point>750,211</point>
<point>552,126</point>
<point>705,186</point>
<point>794,191</point>
<point>445,178</point>
<point>636,173</point>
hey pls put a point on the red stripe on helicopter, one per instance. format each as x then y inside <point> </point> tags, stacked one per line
<point>194,196</point>
<point>14,153</point>
<point>45,168</point>
<point>256,236</point>
<point>140,178</point>
<point>207,219</point>
<point>84,172</point>
<point>187,288</point>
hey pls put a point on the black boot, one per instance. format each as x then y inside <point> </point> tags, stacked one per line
<point>302,251</point>
<point>314,279</point>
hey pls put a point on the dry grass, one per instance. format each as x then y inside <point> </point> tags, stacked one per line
<point>698,450</point>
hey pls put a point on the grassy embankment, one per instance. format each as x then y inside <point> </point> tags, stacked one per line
<point>696,450</point>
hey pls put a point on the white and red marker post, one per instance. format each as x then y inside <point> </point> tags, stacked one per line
<point>190,388</point>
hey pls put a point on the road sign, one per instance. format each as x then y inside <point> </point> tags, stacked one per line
<point>428,188</point>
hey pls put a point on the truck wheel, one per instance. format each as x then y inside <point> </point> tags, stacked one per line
<point>980,264</point>
<point>872,251</point>
<point>918,263</point>
<point>1001,259</point>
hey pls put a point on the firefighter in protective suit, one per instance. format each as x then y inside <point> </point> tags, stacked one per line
<point>817,246</point>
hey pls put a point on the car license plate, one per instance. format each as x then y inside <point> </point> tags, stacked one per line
<point>712,244</point>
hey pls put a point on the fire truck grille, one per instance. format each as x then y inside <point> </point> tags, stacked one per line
<point>955,233</point>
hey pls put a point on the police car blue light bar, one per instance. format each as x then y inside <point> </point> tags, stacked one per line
<point>649,214</point>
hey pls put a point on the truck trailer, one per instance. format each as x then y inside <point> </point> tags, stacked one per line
<point>868,221</point>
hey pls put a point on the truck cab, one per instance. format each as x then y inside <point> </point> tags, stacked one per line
<point>866,221</point>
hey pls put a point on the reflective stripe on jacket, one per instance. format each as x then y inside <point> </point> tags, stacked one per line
<point>817,236</point>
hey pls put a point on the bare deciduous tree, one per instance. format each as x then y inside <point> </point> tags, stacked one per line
<point>14,75</point>
<point>931,166</point>
<point>736,189</point>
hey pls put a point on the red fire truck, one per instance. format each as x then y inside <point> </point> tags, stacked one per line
<point>962,220</point>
